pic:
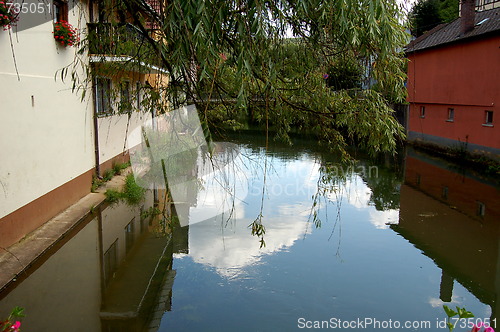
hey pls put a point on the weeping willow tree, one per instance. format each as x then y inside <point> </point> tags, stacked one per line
<point>271,61</point>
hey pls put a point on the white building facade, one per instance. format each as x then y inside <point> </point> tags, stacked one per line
<point>54,139</point>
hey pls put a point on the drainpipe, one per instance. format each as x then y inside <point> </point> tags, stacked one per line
<point>91,11</point>
<point>96,127</point>
<point>467,16</point>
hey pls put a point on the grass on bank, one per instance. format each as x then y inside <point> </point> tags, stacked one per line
<point>132,193</point>
<point>116,169</point>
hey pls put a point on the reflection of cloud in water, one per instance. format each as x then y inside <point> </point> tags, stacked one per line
<point>219,185</point>
<point>381,219</point>
<point>438,303</point>
<point>228,245</point>
<point>225,242</point>
<point>221,192</point>
<point>357,194</point>
<point>230,248</point>
<point>457,301</point>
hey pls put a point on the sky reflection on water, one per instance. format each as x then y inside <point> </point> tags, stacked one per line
<point>384,245</point>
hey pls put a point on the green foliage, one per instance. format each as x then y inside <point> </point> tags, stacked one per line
<point>461,312</point>
<point>119,167</point>
<point>151,212</point>
<point>237,55</point>
<point>96,183</point>
<point>427,14</point>
<point>11,324</point>
<point>344,74</point>
<point>108,175</point>
<point>259,230</point>
<point>132,193</point>
<point>7,16</point>
<point>424,16</point>
<point>116,169</point>
<point>448,10</point>
<point>113,196</point>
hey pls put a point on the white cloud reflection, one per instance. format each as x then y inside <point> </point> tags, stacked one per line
<point>357,194</point>
<point>438,303</point>
<point>225,242</point>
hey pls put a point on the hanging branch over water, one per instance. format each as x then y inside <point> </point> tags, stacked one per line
<point>236,50</point>
<point>335,78</point>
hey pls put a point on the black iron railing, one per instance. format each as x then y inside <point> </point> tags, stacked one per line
<point>118,40</point>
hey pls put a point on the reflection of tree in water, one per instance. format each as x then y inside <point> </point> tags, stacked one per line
<point>382,177</point>
<point>331,184</point>
<point>385,187</point>
<point>382,174</point>
<point>333,179</point>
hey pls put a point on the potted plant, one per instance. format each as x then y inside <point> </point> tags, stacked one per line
<point>7,16</point>
<point>64,33</point>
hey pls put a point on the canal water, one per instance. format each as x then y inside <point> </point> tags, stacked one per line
<point>371,246</point>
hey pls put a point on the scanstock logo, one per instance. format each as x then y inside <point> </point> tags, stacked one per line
<point>31,13</point>
<point>205,179</point>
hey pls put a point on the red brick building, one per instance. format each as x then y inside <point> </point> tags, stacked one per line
<point>454,83</point>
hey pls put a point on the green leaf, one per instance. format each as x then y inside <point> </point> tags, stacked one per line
<point>449,312</point>
<point>463,313</point>
<point>17,312</point>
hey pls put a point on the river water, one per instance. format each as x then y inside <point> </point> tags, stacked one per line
<point>375,245</point>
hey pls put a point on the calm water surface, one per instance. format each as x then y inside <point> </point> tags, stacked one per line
<point>374,245</point>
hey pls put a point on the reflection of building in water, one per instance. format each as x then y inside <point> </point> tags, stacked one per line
<point>114,273</point>
<point>169,212</point>
<point>137,266</point>
<point>454,219</point>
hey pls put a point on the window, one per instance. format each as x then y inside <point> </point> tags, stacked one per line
<point>143,222</point>
<point>481,209</point>
<point>488,118</point>
<point>444,193</point>
<point>451,115</point>
<point>129,235</point>
<point>418,179</point>
<point>422,112</point>
<point>138,95</point>
<point>60,11</point>
<point>125,105</point>
<point>103,96</point>
<point>110,262</point>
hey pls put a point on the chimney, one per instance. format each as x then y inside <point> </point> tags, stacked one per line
<point>467,15</point>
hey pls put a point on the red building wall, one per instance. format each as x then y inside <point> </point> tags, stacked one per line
<point>463,192</point>
<point>463,76</point>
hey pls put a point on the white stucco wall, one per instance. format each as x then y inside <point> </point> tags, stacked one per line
<point>113,133</point>
<point>46,129</point>
<point>46,135</point>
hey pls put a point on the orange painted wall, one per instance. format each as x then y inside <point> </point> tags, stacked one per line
<point>462,76</point>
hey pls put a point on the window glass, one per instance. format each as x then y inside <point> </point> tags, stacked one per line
<point>103,96</point>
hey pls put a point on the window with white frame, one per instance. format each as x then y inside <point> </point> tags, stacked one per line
<point>451,115</point>
<point>488,115</point>
<point>422,112</point>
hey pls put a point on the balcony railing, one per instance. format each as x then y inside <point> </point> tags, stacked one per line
<point>118,40</point>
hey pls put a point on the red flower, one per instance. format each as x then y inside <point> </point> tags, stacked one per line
<point>65,34</point>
